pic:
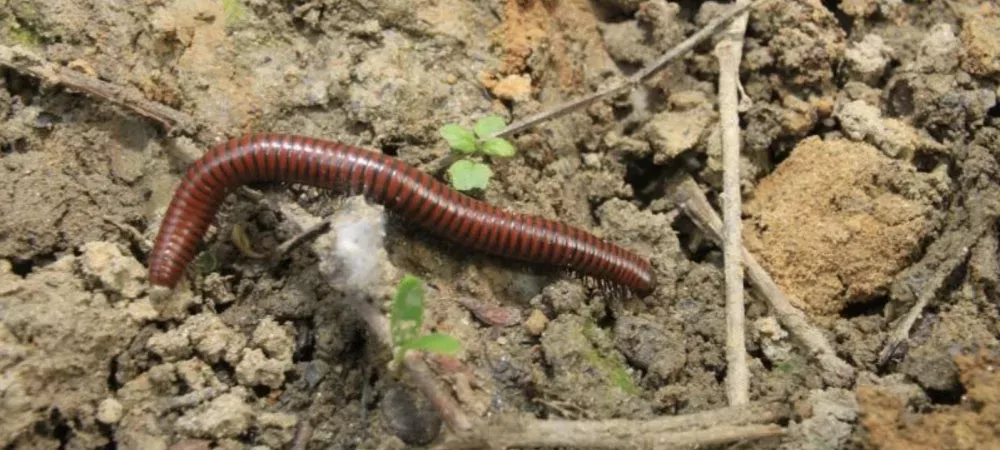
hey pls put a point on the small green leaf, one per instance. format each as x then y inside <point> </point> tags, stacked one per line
<point>498,147</point>
<point>459,138</point>
<point>437,343</point>
<point>466,175</point>
<point>407,314</point>
<point>488,125</point>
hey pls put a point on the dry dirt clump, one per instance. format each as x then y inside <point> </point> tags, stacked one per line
<point>972,424</point>
<point>835,222</point>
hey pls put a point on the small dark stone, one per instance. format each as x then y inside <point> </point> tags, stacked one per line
<point>410,417</point>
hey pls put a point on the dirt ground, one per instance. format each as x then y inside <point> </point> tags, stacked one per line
<point>871,178</point>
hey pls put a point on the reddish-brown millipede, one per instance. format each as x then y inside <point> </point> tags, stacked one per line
<point>403,189</point>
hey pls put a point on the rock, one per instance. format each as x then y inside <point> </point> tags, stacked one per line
<point>536,322</point>
<point>227,416</point>
<point>866,61</point>
<point>939,51</point>
<point>833,414</point>
<point>256,369</point>
<point>105,263</point>
<point>625,6</point>
<point>651,346</point>
<point>410,417</point>
<point>274,339</point>
<point>980,46</point>
<point>836,221</point>
<point>587,367</point>
<point>671,133</point>
<point>172,345</point>
<point>110,411</point>
<point>863,122</point>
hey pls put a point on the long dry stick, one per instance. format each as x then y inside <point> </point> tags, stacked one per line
<point>705,428</point>
<point>836,372</point>
<point>901,332</point>
<point>422,375</point>
<point>729,51</point>
<point>25,61</point>
<point>631,82</point>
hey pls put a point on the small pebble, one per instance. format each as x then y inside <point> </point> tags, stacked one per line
<point>410,417</point>
<point>109,411</point>
<point>536,323</point>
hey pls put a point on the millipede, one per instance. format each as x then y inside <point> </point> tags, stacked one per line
<point>415,195</point>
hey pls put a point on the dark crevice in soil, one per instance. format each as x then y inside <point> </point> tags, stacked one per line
<point>113,384</point>
<point>56,426</point>
<point>391,148</point>
<point>305,343</point>
<point>873,307</point>
<point>647,178</point>
<point>24,267</point>
<point>261,391</point>
<point>758,353</point>
<point>22,86</point>
<point>994,111</point>
<point>946,397</point>
<point>108,432</point>
<point>693,243</point>
<point>224,371</point>
<point>926,162</point>
<point>846,22</point>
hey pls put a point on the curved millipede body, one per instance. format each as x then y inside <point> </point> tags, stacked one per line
<point>403,189</point>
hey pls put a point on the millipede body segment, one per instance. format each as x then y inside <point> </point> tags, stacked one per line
<point>413,194</point>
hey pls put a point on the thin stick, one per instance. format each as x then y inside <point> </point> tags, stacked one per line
<point>901,333</point>
<point>729,51</point>
<point>422,375</point>
<point>301,238</point>
<point>418,369</point>
<point>836,372</point>
<point>635,79</point>
<point>193,398</point>
<point>720,426</point>
<point>27,62</point>
<point>440,163</point>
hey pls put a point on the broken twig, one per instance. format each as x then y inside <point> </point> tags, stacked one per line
<point>729,51</point>
<point>632,81</point>
<point>730,424</point>
<point>896,342</point>
<point>27,62</point>
<point>629,83</point>
<point>836,372</point>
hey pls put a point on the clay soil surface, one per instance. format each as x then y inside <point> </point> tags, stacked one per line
<point>871,174</point>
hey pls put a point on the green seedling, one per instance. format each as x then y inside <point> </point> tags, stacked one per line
<point>470,172</point>
<point>406,321</point>
<point>234,11</point>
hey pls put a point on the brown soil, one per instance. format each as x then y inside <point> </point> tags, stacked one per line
<point>870,168</point>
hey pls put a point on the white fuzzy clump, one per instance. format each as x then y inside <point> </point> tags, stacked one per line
<point>359,230</point>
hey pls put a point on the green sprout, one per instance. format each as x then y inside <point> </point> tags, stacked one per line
<point>234,11</point>
<point>468,173</point>
<point>406,321</point>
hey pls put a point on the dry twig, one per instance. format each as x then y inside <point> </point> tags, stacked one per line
<point>896,342</point>
<point>301,238</point>
<point>836,371</point>
<point>729,51</point>
<point>193,398</point>
<point>629,83</point>
<point>632,81</point>
<point>730,424</point>
<point>25,61</point>
<point>418,369</point>
<point>377,323</point>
